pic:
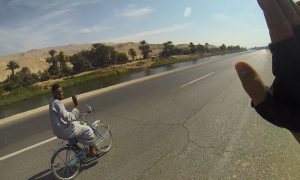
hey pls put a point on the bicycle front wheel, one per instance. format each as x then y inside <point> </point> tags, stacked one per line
<point>65,163</point>
<point>103,138</point>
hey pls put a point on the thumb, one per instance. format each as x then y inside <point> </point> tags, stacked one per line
<point>251,82</point>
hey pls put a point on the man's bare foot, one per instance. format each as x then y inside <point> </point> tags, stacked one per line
<point>92,151</point>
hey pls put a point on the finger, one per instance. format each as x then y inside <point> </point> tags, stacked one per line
<point>296,7</point>
<point>251,82</point>
<point>289,12</point>
<point>279,27</point>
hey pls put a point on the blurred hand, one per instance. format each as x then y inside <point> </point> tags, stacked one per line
<point>75,101</point>
<point>251,82</point>
<point>281,16</point>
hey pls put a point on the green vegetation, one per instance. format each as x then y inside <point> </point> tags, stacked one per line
<point>63,67</point>
<point>12,65</point>
<point>80,63</point>
<point>168,49</point>
<point>53,69</point>
<point>145,49</point>
<point>132,53</point>
<point>192,48</point>
<point>71,81</point>
<point>170,60</point>
<point>22,78</point>
<point>22,85</point>
<point>23,93</point>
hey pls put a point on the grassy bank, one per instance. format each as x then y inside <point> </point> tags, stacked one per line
<point>181,58</point>
<point>45,87</point>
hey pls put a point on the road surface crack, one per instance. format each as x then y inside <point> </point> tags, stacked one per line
<point>220,151</point>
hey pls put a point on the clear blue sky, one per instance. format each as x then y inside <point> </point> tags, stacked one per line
<point>29,24</point>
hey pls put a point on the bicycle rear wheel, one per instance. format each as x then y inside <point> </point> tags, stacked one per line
<point>65,163</point>
<point>103,137</point>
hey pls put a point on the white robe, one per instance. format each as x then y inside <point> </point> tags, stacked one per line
<point>64,125</point>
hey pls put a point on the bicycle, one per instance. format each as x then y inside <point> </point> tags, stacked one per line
<point>66,161</point>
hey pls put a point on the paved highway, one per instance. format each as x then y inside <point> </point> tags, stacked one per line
<point>192,123</point>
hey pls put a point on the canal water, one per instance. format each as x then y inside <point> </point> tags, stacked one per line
<point>38,101</point>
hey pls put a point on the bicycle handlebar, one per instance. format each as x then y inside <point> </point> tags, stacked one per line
<point>83,114</point>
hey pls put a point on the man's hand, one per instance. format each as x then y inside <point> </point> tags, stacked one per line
<point>281,17</point>
<point>251,82</point>
<point>75,101</point>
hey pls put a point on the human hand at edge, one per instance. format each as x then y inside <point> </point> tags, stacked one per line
<point>75,101</point>
<point>279,104</point>
<point>281,16</point>
<point>251,82</point>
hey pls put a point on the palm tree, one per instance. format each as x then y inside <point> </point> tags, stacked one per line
<point>192,47</point>
<point>52,53</point>
<point>145,48</point>
<point>53,69</point>
<point>223,47</point>
<point>63,59</point>
<point>168,49</point>
<point>52,60</point>
<point>132,53</point>
<point>206,46</point>
<point>12,65</point>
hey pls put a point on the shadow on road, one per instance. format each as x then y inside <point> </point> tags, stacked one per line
<point>47,174</point>
<point>44,175</point>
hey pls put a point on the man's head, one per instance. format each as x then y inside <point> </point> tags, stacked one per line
<point>57,92</point>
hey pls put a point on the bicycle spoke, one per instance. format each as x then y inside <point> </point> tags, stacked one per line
<point>68,156</point>
<point>62,159</point>
<point>60,162</point>
<point>69,172</point>
<point>59,171</point>
<point>74,168</point>
<point>64,172</point>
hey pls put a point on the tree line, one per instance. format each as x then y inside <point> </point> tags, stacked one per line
<point>170,49</point>
<point>98,56</point>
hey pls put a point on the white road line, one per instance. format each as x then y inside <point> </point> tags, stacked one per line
<point>187,84</point>
<point>26,149</point>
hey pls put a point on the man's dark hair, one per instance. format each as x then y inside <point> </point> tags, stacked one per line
<point>55,87</point>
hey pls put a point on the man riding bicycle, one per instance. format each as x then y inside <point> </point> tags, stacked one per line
<point>63,122</point>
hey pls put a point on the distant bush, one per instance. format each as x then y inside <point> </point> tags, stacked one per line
<point>1,89</point>
<point>25,77</point>
<point>44,76</point>
<point>140,63</point>
<point>80,63</point>
<point>10,85</point>
<point>122,58</point>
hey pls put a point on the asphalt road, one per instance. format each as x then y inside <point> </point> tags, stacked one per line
<point>195,123</point>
